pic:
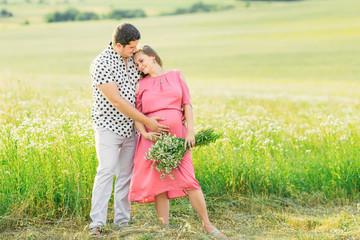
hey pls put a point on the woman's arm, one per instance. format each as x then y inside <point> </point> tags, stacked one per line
<point>189,138</point>
<point>188,113</point>
<point>152,136</point>
<point>140,127</point>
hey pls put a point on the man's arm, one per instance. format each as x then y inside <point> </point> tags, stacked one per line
<point>111,92</point>
<point>152,136</point>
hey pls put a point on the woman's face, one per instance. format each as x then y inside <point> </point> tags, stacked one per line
<point>144,62</point>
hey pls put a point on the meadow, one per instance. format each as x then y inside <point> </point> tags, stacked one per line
<point>280,80</point>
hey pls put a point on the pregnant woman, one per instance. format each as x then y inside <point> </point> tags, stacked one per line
<point>164,94</point>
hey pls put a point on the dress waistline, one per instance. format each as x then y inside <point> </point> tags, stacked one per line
<point>162,110</point>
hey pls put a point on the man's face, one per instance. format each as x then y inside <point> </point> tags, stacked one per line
<point>127,50</point>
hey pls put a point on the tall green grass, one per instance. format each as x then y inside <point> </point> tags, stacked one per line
<point>280,145</point>
<point>47,154</point>
<point>279,80</point>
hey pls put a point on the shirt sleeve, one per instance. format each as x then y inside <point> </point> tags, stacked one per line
<point>185,92</point>
<point>101,73</point>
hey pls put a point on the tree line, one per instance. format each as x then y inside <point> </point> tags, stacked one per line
<point>5,13</point>
<point>199,7</point>
<point>73,14</point>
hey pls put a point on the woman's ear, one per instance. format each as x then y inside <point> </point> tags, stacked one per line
<point>153,59</point>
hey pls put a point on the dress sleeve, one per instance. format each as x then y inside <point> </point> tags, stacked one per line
<point>185,92</point>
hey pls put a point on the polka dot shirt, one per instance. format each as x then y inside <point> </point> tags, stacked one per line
<point>108,67</point>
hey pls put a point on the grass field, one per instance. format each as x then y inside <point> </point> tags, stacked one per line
<point>281,80</point>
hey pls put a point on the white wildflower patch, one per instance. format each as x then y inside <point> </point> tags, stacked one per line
<point>167,154</point>
<point>168,150</point>
<point>269,141</point>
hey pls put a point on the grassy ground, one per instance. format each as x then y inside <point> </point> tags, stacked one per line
<point>238,217</point>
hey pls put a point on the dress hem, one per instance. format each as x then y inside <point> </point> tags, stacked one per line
<point>152,197</point>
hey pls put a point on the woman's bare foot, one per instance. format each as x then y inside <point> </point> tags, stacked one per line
<point>211,230</point>
<point>216,233</point>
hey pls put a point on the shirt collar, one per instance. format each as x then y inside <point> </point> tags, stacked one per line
<point>114,55</point>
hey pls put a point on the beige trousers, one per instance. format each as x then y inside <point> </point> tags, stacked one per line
<point>116,158</point>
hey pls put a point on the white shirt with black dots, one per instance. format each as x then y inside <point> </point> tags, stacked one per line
<point>108,67</point>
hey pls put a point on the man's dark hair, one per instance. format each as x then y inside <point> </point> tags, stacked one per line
<point>125,33</point>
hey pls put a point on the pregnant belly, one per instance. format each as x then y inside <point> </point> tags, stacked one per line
<point>172,119</point>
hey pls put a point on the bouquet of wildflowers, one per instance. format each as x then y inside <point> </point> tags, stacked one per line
<point>168,150</point>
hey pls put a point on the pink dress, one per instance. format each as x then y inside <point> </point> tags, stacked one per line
<point>162,96</point>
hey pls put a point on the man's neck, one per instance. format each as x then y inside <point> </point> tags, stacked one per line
<point>125,61</point>
<point>117,51</point>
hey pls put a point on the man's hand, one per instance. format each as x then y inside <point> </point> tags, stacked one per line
<point>154,126</point>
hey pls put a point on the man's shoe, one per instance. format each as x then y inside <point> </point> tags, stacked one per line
<point>121,224</point>
<point>95,232</point>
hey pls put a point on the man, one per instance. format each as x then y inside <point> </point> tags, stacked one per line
<point>114,75</point>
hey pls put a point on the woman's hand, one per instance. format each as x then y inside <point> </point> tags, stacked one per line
<point>152,136</point>
<point>189,140</point>
<point>183,118</point>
